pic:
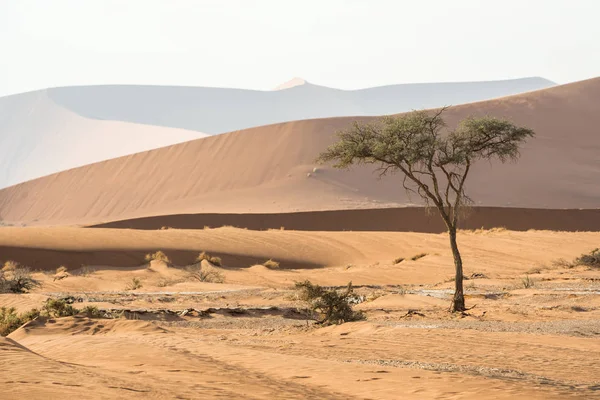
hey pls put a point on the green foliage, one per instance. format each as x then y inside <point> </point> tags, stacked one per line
<point>328,306</point>
<point>16,279</point>
<point>157,256</point>
<point>92,312</point>
<point>434,164</point>
<point>11,321</point>
<point>271,264</point>
<point>589,260</point>
<point>57,308</point>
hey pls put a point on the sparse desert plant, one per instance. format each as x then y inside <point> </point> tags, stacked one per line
<point>534,271</point>
<point>11,321</point>
<point>157,256</point>
<point>418,256</point>
<point>211,259</point>
<point>57,308</point>
<point>17,280</point>
<point>86,271</point>
<point>398,260</point>
<point>10,265</point>
<point>205,274</point>
<point>134,284</point>
<point>271,264</point>
<point>327,306</point>
<point>562,263</point>
<point>592,259</point>
<point>61,269</point>
<point>433,162</point>
<point>92,312</point>
<point>527,282</point>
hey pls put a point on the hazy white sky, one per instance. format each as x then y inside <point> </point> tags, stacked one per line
<point>258,44</point>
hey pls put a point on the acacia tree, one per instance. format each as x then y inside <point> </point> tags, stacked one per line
<point>433,161</point>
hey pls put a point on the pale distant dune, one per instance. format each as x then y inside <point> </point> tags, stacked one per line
<point>39,137</point>
<point>271,169</point>
<point>51,130</point>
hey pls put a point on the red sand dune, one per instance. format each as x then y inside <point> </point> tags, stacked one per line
<point>269,169</point>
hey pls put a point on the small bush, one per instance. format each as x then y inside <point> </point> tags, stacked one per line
<point>158,256</point>
<point>205,274</point>
<point>92,312</point>
<point>527,282</point>
<point>213,260</point>
<point>57,308</point>
<point>10,265</point>
<point>591,260</point>
<point>61,269</point>
<point>562,263</point>
<point>86,271</point>
<point>328,306</point>
<point>16,279</point>
<point>11,321</point>
<point>134,284</point>
<point>271,264</point>
<point>398,260</point>
<point>418,256</point>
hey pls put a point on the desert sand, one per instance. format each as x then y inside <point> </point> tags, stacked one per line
<point>271,169</point>
<point>244,338</point>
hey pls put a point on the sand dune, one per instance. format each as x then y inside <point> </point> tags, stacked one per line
<point>271,169</point>
<point>39,137</point>
<point>219,110</point>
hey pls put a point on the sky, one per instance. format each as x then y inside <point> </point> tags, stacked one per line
<point>346,44</point>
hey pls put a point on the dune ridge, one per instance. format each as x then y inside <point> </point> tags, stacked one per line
<point>271,169</point>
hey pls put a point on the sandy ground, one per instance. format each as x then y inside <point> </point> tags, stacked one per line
<point>245,338</point>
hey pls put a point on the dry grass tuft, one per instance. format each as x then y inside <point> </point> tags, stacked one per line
<point>158,256</point>
<point>211,259</point>
<point>271,264</point>
<point>418,256</point>
<point>134,284</point>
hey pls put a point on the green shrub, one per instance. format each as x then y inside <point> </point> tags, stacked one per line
<point>57,308</point>
<point>92,312</point>
<point>328,306</point>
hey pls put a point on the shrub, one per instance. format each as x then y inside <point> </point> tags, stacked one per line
<point>328,306</point>
<point>213,260</point>
<point>205,274</point>
<point>589,260</point>
<point>134,284</point>
<point>561,262</point>
<point>271,264</point>
<point>158,256</point>
<point>11,321</point>
<point>10,265</point>
<point>57,308</point>
<point>86,271</point>
<point>92,312</point>
<point>527,282</point>
<point>16,279</point>
<point>418,256</point>
<point>61,269</point>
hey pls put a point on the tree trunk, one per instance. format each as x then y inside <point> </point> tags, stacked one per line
<point>458,301</point>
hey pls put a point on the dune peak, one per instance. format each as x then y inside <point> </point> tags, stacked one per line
<point>291,83</point>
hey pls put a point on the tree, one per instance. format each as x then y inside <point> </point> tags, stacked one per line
<point>433,161</point>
